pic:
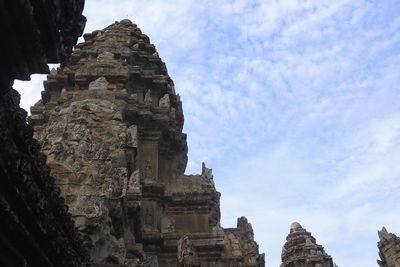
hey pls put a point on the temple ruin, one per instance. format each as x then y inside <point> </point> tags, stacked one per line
<point>110,124</point>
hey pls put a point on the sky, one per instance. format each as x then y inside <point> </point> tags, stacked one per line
<point>293,104</point>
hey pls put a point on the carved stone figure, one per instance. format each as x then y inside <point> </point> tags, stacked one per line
<point>134,182</point>
<point>187,256</point>
<point>132,136</point>
<point>164,102</point>
<point>147,97</point>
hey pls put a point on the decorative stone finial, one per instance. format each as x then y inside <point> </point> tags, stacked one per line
<point>206,172</point>
<point>295,226</point>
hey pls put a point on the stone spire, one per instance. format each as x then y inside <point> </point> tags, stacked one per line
<point>111,124</point>
<point>389,249</point>
<point>301,250</point>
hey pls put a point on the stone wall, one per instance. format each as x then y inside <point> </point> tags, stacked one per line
<point>36,228</point>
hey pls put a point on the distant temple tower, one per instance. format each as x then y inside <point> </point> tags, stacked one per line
<point>111,124</point>
<point>301,250</point>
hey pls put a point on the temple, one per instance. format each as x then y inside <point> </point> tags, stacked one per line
<point>301,250</point>
<point>110,124</point>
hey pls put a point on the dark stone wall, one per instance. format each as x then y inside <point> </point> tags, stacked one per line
<point>34,33</point>
<point>35,227</point>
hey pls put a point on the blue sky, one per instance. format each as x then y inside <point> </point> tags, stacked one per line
<point>294,104</point>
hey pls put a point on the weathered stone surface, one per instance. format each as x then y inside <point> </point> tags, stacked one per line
<point>36,227</point>
<point>301,250</point>
<point>187,255</point>
<point>119,156</point>
<point>99,84</point>
<point>164,102</point>
<point>38,32</point>
<point>240,244</point>
<point>389,249</point>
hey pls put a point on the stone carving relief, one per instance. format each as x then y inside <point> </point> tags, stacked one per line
<point>167,225</point>
<point>131,184</point>
<point>147,97</point>
<point>134,182</point>
<point>133,98</point>
<point>132,136</point>
<point>164,102</point>
<point>64,94</point>
<point>99,84</point>
<point>187,256</point>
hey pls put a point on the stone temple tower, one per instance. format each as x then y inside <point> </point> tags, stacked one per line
<point>301,250</point>
<point>110,123</point>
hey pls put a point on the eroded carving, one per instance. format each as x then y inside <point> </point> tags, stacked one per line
<point>164,102</point>
<point>187,256</point>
